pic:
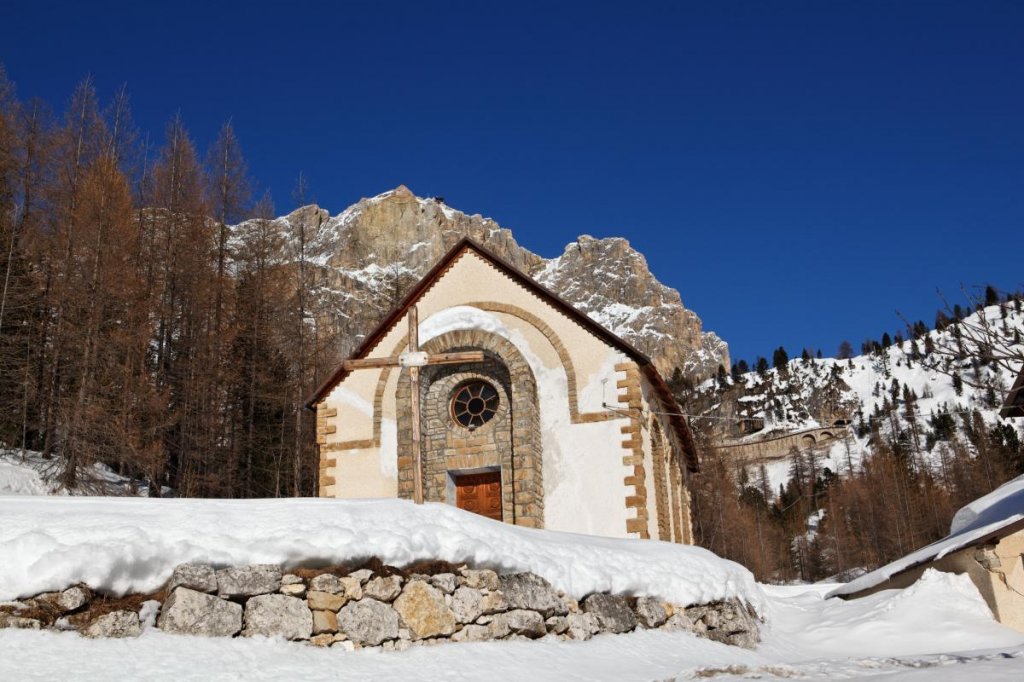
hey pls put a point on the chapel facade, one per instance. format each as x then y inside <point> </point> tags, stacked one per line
<point>529,412</point>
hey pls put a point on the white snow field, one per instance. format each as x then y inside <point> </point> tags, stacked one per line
<point>937,629</point>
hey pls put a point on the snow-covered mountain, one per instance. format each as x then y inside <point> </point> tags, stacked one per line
<point>362,261</point>
<point>947,394</point>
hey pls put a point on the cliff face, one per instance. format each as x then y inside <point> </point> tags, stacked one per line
<point>366,258</point>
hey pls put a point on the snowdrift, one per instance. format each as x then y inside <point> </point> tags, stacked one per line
<point>123,545</point>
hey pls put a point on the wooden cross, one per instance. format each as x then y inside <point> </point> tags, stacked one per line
<point>413,358</point>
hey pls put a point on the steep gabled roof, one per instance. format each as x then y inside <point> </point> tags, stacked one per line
<point>1014,405</point>
<point>465,244</point>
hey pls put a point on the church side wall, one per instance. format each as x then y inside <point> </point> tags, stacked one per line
<point>662,501</point>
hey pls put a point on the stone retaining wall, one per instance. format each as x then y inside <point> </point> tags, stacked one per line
<point>372,606</point>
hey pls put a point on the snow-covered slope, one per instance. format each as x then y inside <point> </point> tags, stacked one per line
<point>817,392</point>
<point>28,473</point>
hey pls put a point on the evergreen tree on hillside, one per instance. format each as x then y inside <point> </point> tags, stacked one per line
<point>845,351</point>
<point>779,358</point>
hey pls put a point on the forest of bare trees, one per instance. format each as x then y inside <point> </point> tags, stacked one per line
<point>136,328</point>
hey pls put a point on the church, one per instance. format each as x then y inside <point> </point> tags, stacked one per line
<point>484,390</point>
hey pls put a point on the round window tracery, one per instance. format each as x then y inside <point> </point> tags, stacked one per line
<point>474,403</point>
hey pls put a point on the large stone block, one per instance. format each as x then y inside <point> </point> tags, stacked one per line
<point>198,577</point>
<point>326,582</point>
<point>277,615</point>
<point>473,633</point>
<point>368,622</point>
<point>518,622</point>
<point>423,610</point>
<point>383,588</point>
<point>325,622</point>
<point>532,592</point>
<point>481,580</point>
<point>115,624</point>
<point>73,598</point>
<point>650,612</point>
<point>325,601</point>
<point>196,613</point>
<point>8,620</point>
<point>248,581</point>
<point>466,604</point>
<point>613,613</point>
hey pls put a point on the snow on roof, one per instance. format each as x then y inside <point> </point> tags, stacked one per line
<point>123,545</point>
<point>1000,510</point>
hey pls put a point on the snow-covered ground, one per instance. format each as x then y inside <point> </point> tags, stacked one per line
<point>937,629</point>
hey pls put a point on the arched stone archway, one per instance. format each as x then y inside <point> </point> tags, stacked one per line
<point>508,443</point>
<point>807,440</point>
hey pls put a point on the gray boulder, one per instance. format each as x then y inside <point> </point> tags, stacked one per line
<point>518,622</point>
<point>480,580</point>
<point>248,581</point>
<point>557,624</point>
<point>383,588</point>
<point>73,598</point>
<point>198,577</point>
<point>196,613</point>
<point>472,633</point>
<point>582,626</point>
<point>650,612</point>
<point>532,592</point>
<point>326,582</point>
<point>466,604</point>
<point>368,622</point>
<point>679,621</point>
<point>362,575</point>
<point>115,624</point>
<point>277,615</point>
<point>293,589</point>
<point>8,620</point>
<point>729,622</point>
<point>446,582</point>
<point>613,613</point>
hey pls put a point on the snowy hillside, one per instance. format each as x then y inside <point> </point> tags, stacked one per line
<point>28,473</point>
<point>878,392</point>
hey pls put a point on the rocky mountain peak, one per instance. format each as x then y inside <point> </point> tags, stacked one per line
<point>371,253</point>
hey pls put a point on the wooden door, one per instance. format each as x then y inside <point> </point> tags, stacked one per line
<point>479,493</point>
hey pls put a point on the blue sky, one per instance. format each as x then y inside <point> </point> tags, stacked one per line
<point>799,171</point>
